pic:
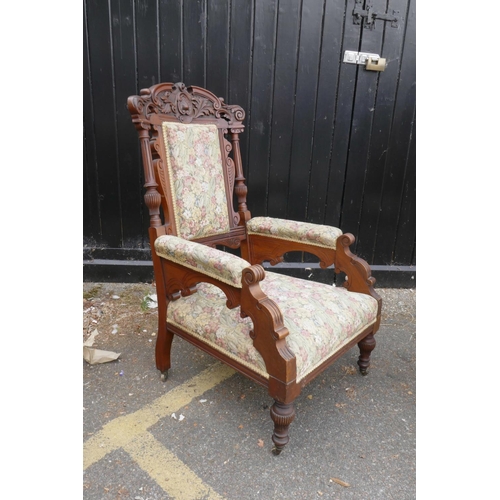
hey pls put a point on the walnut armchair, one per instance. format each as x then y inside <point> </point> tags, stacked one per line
<point>277,330</point>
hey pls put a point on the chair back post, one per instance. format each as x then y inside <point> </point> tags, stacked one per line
<point>240,187</point>
<point>152,197</point>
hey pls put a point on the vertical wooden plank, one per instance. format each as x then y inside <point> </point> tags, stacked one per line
<point>218,47</point>
<point>148,62</point>
<point>122,15</point>
<point>259,129</point>
<point>104,122</point>
<point>170,22</point>
<point>147,43</point>
<point>398,147</point>
<point>382,121</point>
<point>91,216</point>
<point>240,60</point>
<point>361,127</point>
<point>342,122</point>
<point>330,61</point>
<point>194,42</point>
<point>305,106</point>
<point>283,105</point>
<point>404,248</point>
<point>87,207</point>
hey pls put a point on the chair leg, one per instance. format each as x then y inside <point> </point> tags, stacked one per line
<point>366,346</point>
<point>163,341</point>
<point>282,415</point>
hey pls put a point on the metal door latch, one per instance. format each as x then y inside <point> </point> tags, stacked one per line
<point>368,17</point>
<point>372,62</point>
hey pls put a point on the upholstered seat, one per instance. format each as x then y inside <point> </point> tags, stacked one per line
<point>321,319</point>
<point>279,331</point>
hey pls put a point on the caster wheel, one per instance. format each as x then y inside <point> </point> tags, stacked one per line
<point>164,376</point>
<point>364,372</point>
<point>276,451</point>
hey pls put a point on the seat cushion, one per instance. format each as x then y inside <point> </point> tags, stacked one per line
<point>321,319</point>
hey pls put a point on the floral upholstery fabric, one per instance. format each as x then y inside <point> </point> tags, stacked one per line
<point>219,265</point>
<point>302,232</point>
<point>321,319</point>
<point>197,180</point>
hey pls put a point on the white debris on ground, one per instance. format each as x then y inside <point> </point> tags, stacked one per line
<point>151,300</point>
<point>96,356</point>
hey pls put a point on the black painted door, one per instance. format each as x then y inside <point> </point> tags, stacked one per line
<point>325,141</point>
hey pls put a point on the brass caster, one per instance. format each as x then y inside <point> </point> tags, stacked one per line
<point>277,451</point>
<point>363,372</point>
<point>164,376</point>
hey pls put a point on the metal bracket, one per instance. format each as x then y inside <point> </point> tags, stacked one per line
<point>372,62</point>
<point>353,57</point>
<point>363,13</point>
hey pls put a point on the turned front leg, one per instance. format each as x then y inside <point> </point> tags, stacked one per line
<point>282,415</point>
<point>366,346</point>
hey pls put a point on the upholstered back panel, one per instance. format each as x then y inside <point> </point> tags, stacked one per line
<point>193,153</point>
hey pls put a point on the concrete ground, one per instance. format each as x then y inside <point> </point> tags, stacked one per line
<point>206,432</point>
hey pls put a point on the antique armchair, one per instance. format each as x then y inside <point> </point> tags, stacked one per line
<point>277,330</point>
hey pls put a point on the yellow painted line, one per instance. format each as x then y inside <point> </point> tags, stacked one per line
<point>118,433</point>
<point>178,480</point>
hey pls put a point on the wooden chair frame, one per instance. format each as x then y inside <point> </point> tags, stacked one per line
<point>178,103</point>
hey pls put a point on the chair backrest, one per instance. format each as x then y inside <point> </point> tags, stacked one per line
<point>191,169</point>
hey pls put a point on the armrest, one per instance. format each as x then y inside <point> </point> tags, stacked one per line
<point>300,232</point>
<point>270,238</point>
<point>268,332</point>
<point>219,265</point>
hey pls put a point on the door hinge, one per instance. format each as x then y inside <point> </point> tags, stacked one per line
<point>363,13</point>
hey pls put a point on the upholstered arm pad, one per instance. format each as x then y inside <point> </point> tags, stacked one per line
<point>219,265</point>
<point>300,232</point>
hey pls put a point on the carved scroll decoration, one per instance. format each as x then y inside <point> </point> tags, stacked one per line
<point>229,164</point>
<point>186,104</point>
<point>231,175</point>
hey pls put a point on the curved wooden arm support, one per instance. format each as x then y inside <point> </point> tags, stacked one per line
<point>357,270</point>
<point>267,248</point>
<point>182,281</point>
<point>269,334</point>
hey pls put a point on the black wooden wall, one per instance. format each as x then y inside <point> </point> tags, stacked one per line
<point>325,141</point>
